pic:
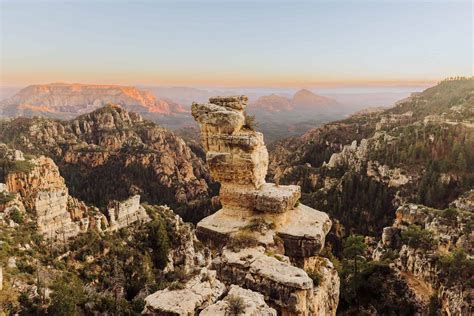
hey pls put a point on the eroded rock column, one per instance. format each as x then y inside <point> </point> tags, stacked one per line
<point>277,237</point>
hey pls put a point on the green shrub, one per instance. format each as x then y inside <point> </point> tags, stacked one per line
<point>457,267</point>
<point>16,216</point>
<point>258,224</point>
<point>158,240</point>
<point>417,237</point>
<point>250,122</point>
<point>6,197</point>
<point>316,276</point>
<point>433,306</point>
<point>176,285</point>
<point>236,305</point>
<point>450,214</point>
<point>243,240</point>
<point>68,293</point>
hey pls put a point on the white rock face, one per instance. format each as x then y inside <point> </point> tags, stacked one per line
<point>253,304</point>
<point>465,201</point>
<point>125,213</point>
<point>43,191</point>
<point>448,234</point>
<point>198,293</point>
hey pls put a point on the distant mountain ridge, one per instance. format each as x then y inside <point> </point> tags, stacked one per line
<point>63,99</point>
<point>302,100</point>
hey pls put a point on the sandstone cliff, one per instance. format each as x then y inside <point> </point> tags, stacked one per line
<point>424,240</point>
<point>41,191</point>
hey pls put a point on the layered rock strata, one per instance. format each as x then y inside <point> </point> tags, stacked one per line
<point>198,293</point>
<point>253,304</point>
<point>261,218</point>
<point>44,193</point>
<point>449,231</point>
<point>122,214</point>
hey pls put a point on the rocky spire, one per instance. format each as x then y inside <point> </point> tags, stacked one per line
<point>267,216</point>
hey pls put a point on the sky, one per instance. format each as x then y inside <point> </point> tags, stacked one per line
<point>235,43</point>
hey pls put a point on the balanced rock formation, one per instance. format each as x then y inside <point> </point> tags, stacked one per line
<point>259,218</point>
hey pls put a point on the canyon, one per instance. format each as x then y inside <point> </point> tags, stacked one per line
<point>368,215</point>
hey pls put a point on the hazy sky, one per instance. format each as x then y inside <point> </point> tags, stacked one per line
<point>235,43</point>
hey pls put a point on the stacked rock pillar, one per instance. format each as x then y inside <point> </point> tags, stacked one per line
<point>271,214</point>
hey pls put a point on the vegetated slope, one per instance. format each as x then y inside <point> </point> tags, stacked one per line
<point>112,154</point>
<point>360,169</point>
<point>373,170</point>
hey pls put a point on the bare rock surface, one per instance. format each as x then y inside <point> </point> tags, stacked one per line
<point>122,214</point>
<point>253,304</point>
<point>43,192</point>
<point>268,198</point>
<point>201,291</point>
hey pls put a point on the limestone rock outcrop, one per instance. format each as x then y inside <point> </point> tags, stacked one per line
<point>253,304</point>
<point>449,231</point>
<point>258,217</point>
<point>122,214</point>
<point>198,293</point>
<point>44,193</point>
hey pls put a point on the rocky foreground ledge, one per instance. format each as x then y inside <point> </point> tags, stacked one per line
<point>265,243</point>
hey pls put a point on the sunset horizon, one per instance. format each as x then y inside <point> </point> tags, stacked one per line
<point>207,43</point>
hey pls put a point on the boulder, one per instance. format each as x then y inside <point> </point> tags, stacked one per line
<point>198,293</point>
<point>268,198</point>
<point>252,303</point>
<point>284,285</point>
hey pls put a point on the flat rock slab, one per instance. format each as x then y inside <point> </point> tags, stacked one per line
<point>268,198</point>
<point>302,229</point>
<point>253,304</point>
<point>285,285</point>
<point>197,293</point>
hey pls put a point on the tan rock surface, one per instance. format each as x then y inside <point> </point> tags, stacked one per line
<point>198,293</point>
<point>268,198</point>
<point>44,193</point>
<point>302,229</point>
<point>253,304</point>
<point>255,212</point>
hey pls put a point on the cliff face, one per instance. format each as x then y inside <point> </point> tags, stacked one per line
<point>42,191</point>
<point>268,239</point>
<point>424,241</point>
<point>62,98</point>
<point>113,154</point>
